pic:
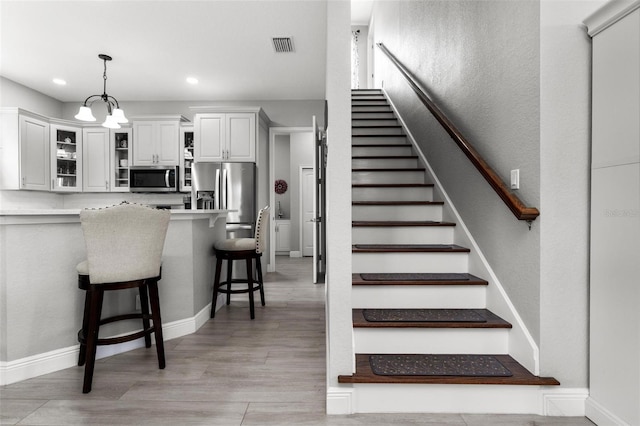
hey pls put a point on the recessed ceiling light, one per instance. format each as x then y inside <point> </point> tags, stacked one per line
<point>192,80</point>
<point>59,81</point>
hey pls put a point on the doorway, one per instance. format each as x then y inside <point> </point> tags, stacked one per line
<point>289,149</point>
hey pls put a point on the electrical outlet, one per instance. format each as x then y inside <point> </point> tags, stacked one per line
<point>138,306</point>
<point>515,179</point>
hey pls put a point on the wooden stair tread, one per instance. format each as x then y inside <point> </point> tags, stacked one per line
<point>521,376</point>
<point>408,248</point>
<point>356,279</point>
<point>397,203</point>
<point>492,321</point>
<point>392,185</point>
<point>399,223</point>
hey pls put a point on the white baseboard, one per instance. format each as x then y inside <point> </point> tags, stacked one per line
<point>339,401</point>
<point>59,359</point>
<point>568,402</point>
<point>601,415</point>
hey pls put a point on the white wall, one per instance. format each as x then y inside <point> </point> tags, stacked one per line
<point>13,94</point>
<point>282,170</point>
<point>363,54</point>
<point>565,80</point>
<point>480,61</point>
<point>340,356</point>
<point>302,149</point>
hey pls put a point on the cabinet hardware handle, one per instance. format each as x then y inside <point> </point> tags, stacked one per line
<point>23,180</point>
<point>53,184</point>
<point>106,184</point>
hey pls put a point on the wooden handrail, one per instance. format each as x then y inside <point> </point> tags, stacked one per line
<point>517,207</point>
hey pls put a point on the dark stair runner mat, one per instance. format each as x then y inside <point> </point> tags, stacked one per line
<point>414,277</point>
<point>422,315</point>
<point>438,365</point>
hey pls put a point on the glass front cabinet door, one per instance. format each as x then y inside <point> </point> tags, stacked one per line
<point>186,157</point>
<point>66,158</point>
<point>120,159</point>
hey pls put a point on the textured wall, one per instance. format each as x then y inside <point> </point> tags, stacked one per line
<point>480,61</point>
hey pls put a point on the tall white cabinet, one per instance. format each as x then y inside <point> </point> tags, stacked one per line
<point>615,216</point>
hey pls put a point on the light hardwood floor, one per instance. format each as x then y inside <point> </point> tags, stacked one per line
<point>233,371</point>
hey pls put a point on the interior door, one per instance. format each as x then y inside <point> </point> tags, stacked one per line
<point>308,211</point>
<point>319,197</point>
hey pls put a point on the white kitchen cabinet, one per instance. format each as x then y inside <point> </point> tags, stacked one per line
<point>283,235</point>
<point>120,157</point>
<point>34,154</point>
<point>96,168</point>
<point>225,137</point>
<point>157,141</point>
<point>66,158</point>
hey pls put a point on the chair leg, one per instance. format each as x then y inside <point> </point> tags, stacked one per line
<point>82,357</point>
<point>93,327</point>
<point>144,308</point>
<point>157,322</point>
<point>260,282</point>
<point>229,276</point>
<point>250,284</point>
<point>216,286</point>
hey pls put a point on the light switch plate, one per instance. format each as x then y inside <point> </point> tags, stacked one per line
<point>515,179</point>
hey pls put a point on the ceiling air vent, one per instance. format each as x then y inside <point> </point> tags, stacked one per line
<point>283,44</point>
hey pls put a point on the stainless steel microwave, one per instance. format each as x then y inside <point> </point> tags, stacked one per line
<point>153,179</point>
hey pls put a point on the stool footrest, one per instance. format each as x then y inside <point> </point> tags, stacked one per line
<point>227,290</point>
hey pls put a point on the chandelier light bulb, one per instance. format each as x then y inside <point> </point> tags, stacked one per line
<point>84,114</point>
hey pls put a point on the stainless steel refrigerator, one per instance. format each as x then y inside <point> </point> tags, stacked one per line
<point>229,186</point>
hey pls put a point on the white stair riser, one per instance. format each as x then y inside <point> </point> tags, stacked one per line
<point>379,140</point>
<point>402,235</point>
<point>377,122</point>
<point>392,194</point>
<point>371,108</point>
<point>426,398</point>
<point>381,151</point>
<point>373,100</point>
<point>410,262</point>
<point>384,163</point>
<point>377,115</point>
<point>413,176</point>
<point>376,131</point>
<point>431,340</point>
<point>399,212</point>
<point>419,297</point>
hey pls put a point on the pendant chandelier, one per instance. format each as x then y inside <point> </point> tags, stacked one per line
<point>115,116</point>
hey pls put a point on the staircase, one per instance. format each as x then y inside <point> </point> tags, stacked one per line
<point>413,296</point>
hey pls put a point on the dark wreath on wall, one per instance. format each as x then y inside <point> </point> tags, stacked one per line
<point>280,186</point>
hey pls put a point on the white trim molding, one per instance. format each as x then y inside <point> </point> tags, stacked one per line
<point>609,14</point>
<point>59,359</point>
<point>339,401</point>
<point>598,414</point>
<point>566,402</point>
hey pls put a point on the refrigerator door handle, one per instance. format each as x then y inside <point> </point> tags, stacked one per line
<point>217,201</point>
<point>225,185</point>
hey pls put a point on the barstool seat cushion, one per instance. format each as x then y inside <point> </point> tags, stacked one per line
<point>236,244</point>
<point>83,268</point>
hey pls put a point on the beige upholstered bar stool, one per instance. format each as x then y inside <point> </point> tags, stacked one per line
<point>247,249</point>
<point>124,250</point>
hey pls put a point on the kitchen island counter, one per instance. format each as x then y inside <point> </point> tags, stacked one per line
<point>41,301</point>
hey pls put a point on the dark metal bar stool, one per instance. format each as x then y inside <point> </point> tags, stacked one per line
<point>124,250</point>
<point>248,249</point>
